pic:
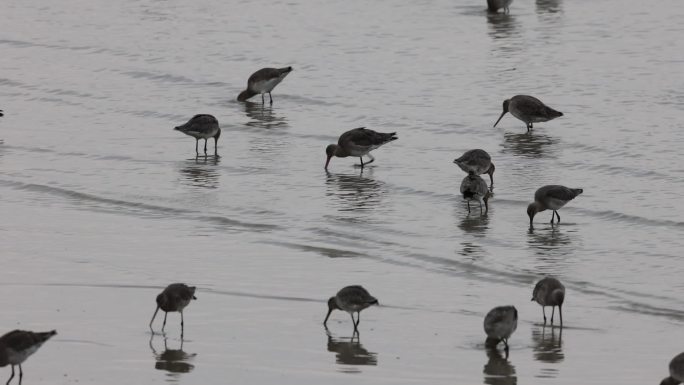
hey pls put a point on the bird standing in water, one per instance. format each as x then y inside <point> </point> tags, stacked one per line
<point>202,126</point>
<point>550,292</point>
<point>473,187</point>
<point>175,297</point>
<point>263,82</point>
<point>551,197</point>
<point>528,109</point>
<point>477,161</point>
<point>676,371</point>
<point>358,142</point>
<point>351,299</point>
<point>499,324</point>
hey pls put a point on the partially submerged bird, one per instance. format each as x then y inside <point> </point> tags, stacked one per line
<point>17,345</point>
<point>676,371</point>
<point>475,188</point>
<point>550,292</point>
<point>351,299</point>
<point>358,142</point>
<point>202,126</point>
<point>477,161</point>
<point>495,5</point>
<point>263,82</point>
<point>499,324</point>
<point>528,109</point>
<point>175,297</point>
<point>551,197</point>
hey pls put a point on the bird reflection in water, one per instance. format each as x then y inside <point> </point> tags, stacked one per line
<point>547,344</point>
<point>501,26</point>
<point>354,191</point>
<point>474,224</point>
<point>349,351</point>
<point>548,6</point>
<point>173,361</point>
<point>201,172</point>
<point>262,116</point>
<point>498,370</point>
<point>553,248</point>
<point>529,145</point>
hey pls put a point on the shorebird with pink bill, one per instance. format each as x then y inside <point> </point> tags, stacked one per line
<point>676,371</point>
<point>551,197</point>
<point>174,298</point>
<point>528,109</point>
<point>16,346</point>
<point>202,126</point>
<point>477,161</point>
<point>263,82</point>
<point>358,142</point>
<point>351,299</point>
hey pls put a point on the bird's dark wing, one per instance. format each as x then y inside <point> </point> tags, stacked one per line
<point>364,137</point>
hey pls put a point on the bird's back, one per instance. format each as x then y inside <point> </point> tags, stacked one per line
<point>501,322</point>
<point>203,125</point>
<point>549,292</point>
<point>354,297</point>
<point>543,194</point>
<point>266,74</point>
<point>175,297</point>
<point>477,161</point>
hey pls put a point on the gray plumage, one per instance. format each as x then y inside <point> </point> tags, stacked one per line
<point>174,298</point>
<point>551,197</point>
<point>528,109</point>
<point>358,142</point>
<point>473,187</point>
<point>202,126</point>
<point>478,162</point>
<point>499,324</point>
<point>550,292</point>
<point>676,371</point>
<point>495,5</point>
<point>263,81</point>
<point>17,345</point>
<point>351,299</point>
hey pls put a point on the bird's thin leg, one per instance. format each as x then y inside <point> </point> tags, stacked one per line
<point>182,325</point>
<point>205,146</point>
<point>361,165</point>
<point>215,146</point>
<point>164,324</point>
<point>353,320</point>
<point>531,126</point>
<point>558,216</point>
<point>544,313</point>
<point>11,376</point>
<point>468,202</point>
<point>480,202</point>
<point>262,100</point>
<point>21,374</point>
<point>371,159</point>
<point>196,146</point>
<point>552,216</point>
<point>553,311</point>
<point>358,318</point>
<point>486,198</point>
<point>153,316</point>
<point>270,96</point>
<point>528,127</point>
<point>560,312</point>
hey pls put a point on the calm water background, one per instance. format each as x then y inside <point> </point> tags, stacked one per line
<point>102,203</point>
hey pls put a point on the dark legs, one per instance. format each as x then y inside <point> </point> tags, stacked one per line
<point>153,315</point>
<point>11,377</point>
<point>555,214</point>
<point>216,146</point>
<point>262,99</point>
<point>164,324</point>
<point>205,146</point>
<point>182,325</point>
<point>468,201</point>
<point>553,310</point>
<point>367,163</point>
<point>271,97</point>
<point>21,374</point>
<point>358,320</point>
<point>196,144</point>
<point>560,312</point>
<point>529,127</point>
<point>544,313</point>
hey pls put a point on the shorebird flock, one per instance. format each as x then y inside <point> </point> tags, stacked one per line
<point>499,323</point>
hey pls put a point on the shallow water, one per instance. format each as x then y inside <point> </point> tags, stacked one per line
<point>103,204</point>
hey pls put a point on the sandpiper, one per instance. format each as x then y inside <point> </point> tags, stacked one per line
<point>475,188</point>
<point>262,82</point>
<point>175,297</point>
<point>202,126</point>
<point>676,371</point>
<point>550,292</point>
<point>551,197</point>
<point>358,142</point>
<point>495,5</point>
<point>17,345</point>
<point>477,161</point>
<point>351,299</point>
<point>528,109</point>
<point>499,324</point>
